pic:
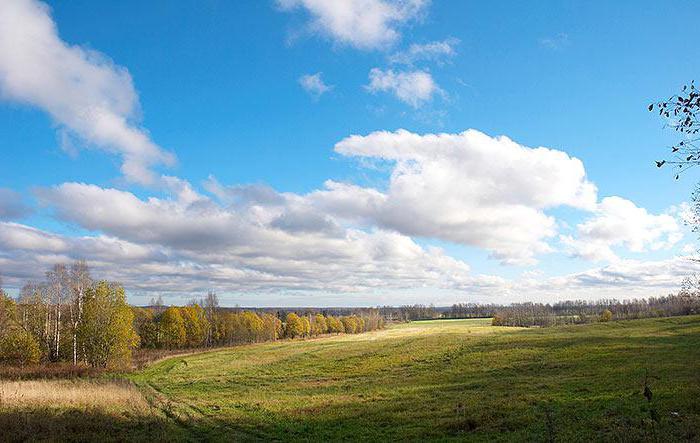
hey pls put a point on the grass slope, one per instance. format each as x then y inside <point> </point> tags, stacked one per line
<point>443,380</point>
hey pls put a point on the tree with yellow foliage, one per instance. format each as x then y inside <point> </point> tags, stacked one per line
<point>294,326</point>
<point>319,325</point>
<point>606,315</point>
<point>335,326</point>
<point>106,331</point>
<point>17,346</point>
<point>350,324</point>
<point>172,328</point>
<point>252,326</point>
<point>307,326</point>
<point>273,328</point>
<point>196,325</point>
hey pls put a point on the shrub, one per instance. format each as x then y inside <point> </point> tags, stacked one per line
<point>497,320</point>
<point>19,347</point>
<point>606,315</point>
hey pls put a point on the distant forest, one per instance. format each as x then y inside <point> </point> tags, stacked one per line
<point>686,302</point>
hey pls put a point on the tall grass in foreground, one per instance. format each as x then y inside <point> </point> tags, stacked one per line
<point>79,410</point>
<point>73,393</point>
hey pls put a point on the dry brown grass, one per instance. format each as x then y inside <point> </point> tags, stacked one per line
<point>103,395</point>
<point>81,410</point>
<point>48,370</point>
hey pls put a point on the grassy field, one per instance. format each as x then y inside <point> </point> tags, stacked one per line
<point>441,380</point>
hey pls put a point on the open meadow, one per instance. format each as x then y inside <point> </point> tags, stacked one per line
<point>441,380</point>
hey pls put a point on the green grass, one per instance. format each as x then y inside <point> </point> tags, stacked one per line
<point>443,380</point>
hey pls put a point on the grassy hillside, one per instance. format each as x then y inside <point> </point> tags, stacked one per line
<point>458,379</point>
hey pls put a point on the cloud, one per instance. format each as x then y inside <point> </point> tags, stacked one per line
<point>361,264</point>
<point>414,87</point>
<point>556,42</point>
<point>465,188</point>
<point>255,244</point>
<point>253,239</point>
<point>243,195</point>
<point>11,205</point>
<point>314,85</point>
<point>619,222</point>
<point>436,51</point>
<point>363,24</point>
<point>83,91</point>
<point>623,279</point>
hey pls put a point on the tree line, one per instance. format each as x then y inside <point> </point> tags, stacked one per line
<point>203,323</point>
<point>69,317</point>
<point>579,311</point>
<point>685,302</point>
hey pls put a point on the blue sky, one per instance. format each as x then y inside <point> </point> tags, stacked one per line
<point>218,86</point>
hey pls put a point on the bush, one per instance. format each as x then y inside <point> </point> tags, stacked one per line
<point>497,320</point>
<point>606,315</point>
<point>18,347</point>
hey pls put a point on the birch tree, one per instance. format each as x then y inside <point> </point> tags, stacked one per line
<point>79,281</point>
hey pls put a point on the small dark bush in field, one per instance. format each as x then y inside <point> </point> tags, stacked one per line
<point>606,315</point>
<point>654,418</point>
<point>497,320</point>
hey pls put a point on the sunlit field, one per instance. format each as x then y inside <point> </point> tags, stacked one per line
<point>455,379</point>
<point>424,380</point>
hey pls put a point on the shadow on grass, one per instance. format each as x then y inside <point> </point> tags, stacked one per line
<point>83,425</point>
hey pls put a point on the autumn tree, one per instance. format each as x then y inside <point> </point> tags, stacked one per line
<point>146,327</point>
<point>33,314</point>
<point>18,347</point>
<point>293,327</point>
<point>8,312</point>
<point>172,328</point>
<point>335,326</point>
<point>106,332</point>
<point>306,326</point>
<point>319,326</point>
<point>252,326</point>
<point>273,328</point>
<point>196,325</point>
<point>349,324</point>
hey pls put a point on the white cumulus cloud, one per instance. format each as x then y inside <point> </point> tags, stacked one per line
<point>314,84</point>
<point>83,91</point>
<point>363,24</point>
<point>466,188</point>
<point>412,87</point>
<point>619,222</point>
